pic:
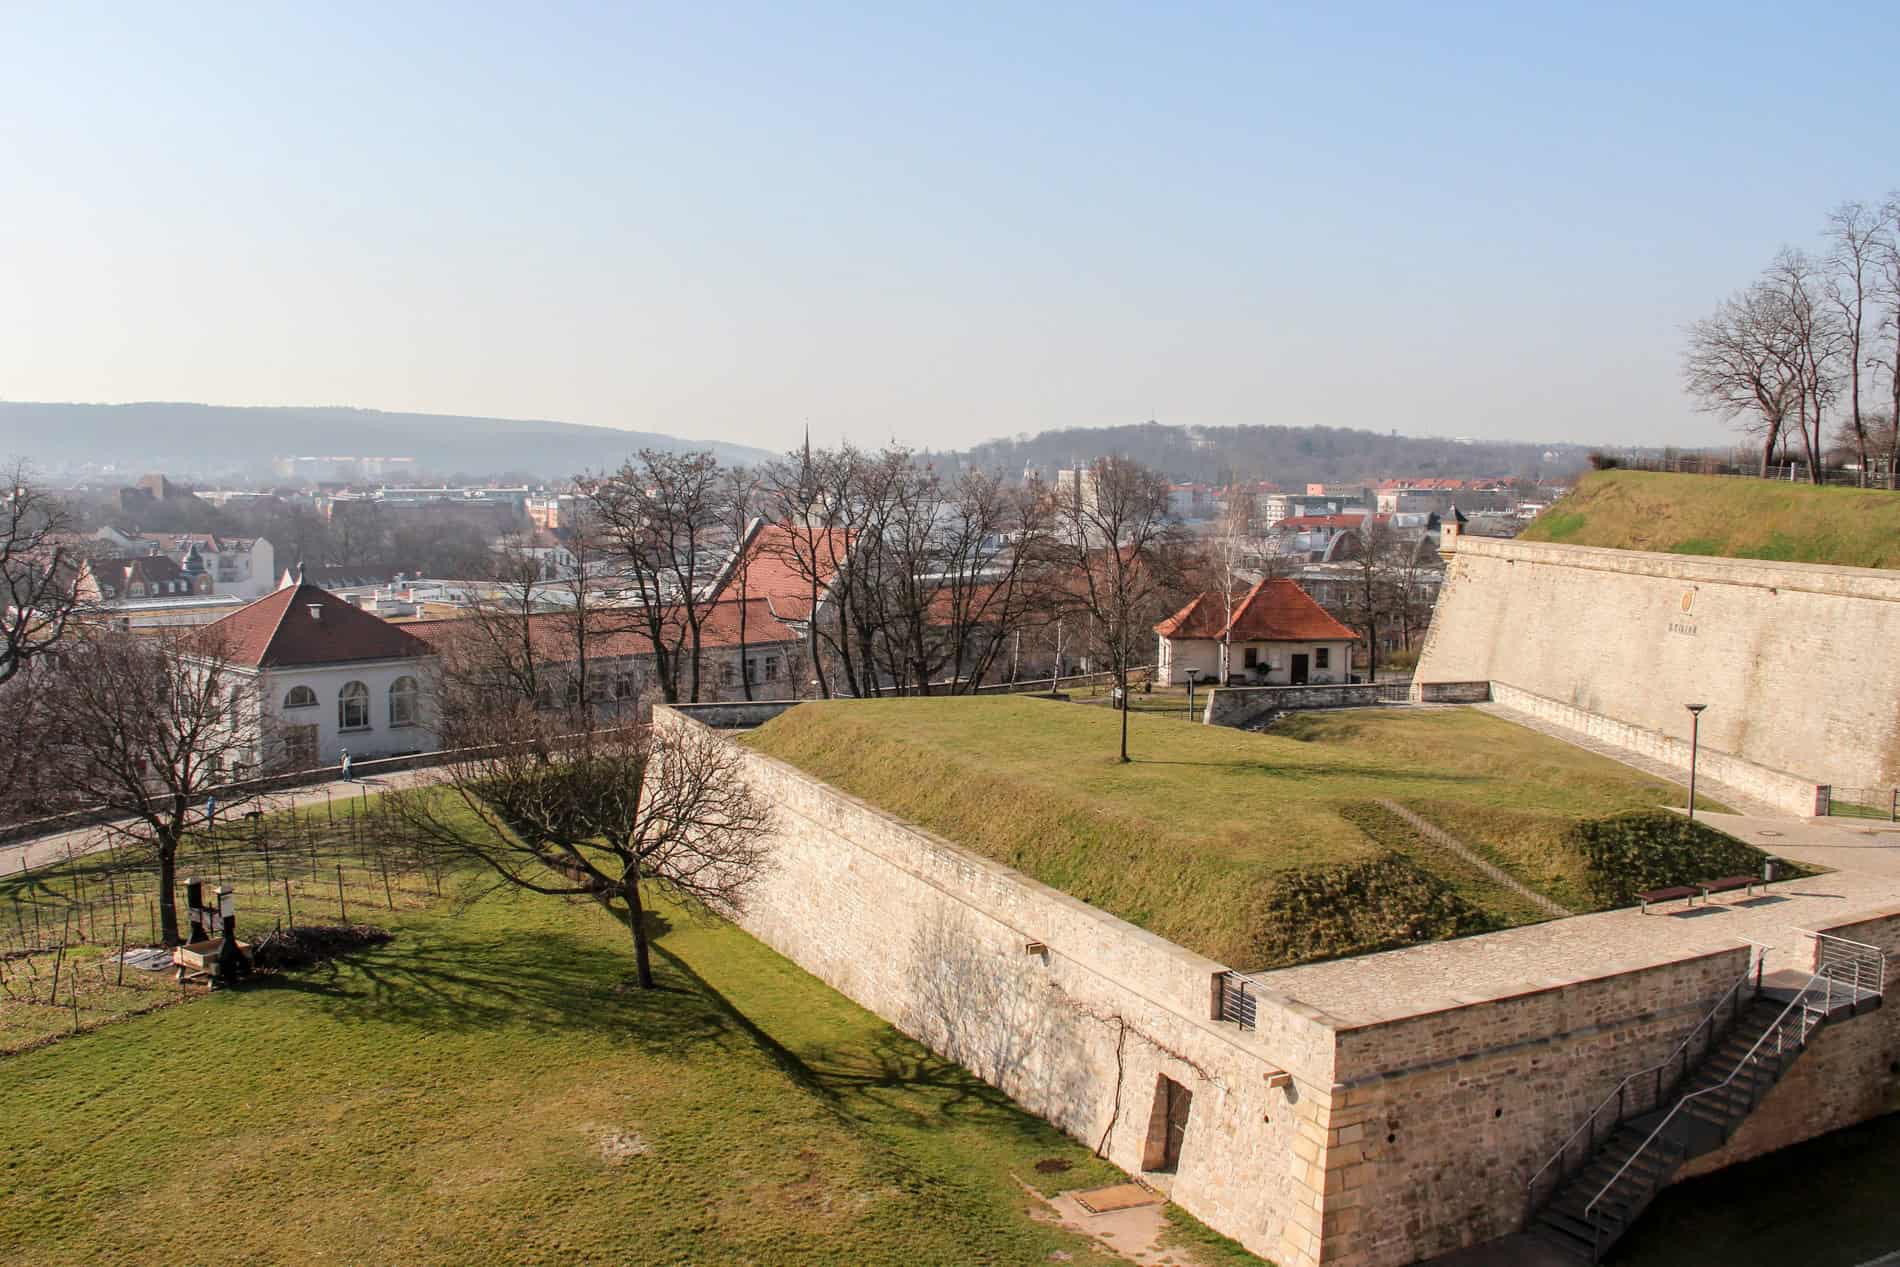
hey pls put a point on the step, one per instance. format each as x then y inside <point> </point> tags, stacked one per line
<point>1563,1242</point>
<point>1607,1229</point>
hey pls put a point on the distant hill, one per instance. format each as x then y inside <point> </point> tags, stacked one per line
<point>1731,517</point>
<point>199,440</point>
<point>1289,456</point>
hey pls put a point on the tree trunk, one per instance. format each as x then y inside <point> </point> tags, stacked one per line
<point>168,893</point>
<point>1121,683</point>
<point>637,920</point>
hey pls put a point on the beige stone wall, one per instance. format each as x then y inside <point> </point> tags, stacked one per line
<point>1789,793</point>
<point>933,937</point>
<point>1393,1140</point>
<point>1849,1073</point>
<point>1794,660</point>
<point>1441,1119</point>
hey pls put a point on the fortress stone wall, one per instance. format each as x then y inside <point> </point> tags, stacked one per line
<point>1362,1139</point>
<point>1798,663</point>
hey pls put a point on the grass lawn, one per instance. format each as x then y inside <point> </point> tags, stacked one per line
<point>1735,518</point>
<point>1200,838</point>
<point>488,1087</point>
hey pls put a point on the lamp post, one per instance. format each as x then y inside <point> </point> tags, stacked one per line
<point>1695,744</point>
<point>1192,676</point>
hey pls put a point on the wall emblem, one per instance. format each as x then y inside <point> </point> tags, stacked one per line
<point>1688,601</point>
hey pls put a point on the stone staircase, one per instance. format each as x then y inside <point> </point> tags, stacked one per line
<point>1590,1208</point>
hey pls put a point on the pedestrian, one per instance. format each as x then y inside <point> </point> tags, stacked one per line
<point>346,765</point>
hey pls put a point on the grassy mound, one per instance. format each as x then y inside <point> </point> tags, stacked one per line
<point>1731,518</point>
<point>1256,850</point>
<point>1632,853</point>
<point>1378,903</point>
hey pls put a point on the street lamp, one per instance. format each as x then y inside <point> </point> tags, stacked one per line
<point>1193,675</point>
<point>1695,743</point>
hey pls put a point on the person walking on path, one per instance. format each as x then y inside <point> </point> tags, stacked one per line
<point>346,765</point>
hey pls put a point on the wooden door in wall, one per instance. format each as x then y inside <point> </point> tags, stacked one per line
<point>1300,663</point>
<point>1180,1100</point>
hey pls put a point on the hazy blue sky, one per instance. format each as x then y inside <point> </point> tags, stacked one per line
<point>941,224</point>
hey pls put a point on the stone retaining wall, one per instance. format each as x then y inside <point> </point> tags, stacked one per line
<point>1243,705</point>
<point>1310,1139</point>
<point>1451,692</point>
<point>1789,793</point>
<point>1794,660</point>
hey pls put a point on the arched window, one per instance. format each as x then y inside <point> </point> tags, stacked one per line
<point>300,697</point>
<point>352,707</point>
<point>403,693</point>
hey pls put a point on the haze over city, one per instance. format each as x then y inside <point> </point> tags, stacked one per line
<point>933,228</point>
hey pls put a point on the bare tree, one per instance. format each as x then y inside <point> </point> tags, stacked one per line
<point>152,727</point>
<point>741,493</point>
<point>1120,542</point>
<point>1856,237</point>
<point>665,516</point>
<point>1742,363</point>
<point>1817,342</point>
<point>39,574</point>
<point>597,815</point>
<point>1235,542</point>
<point>1372,596</point>
<point>813,544</point>
<point>1885,354</point>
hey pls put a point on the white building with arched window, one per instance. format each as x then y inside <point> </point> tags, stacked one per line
<point>329,677</point>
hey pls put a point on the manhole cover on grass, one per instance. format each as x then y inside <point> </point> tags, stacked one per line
<point>1117,1196</point>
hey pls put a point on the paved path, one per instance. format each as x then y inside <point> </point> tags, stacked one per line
<point>60,846</point>
<point>1445,974</point>
<point>1844,844</point>
<point>1433,832</point>
<point>1705,786</point>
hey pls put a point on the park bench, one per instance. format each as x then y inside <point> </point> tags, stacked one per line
<point>1729,883</point>
<point>1670,894</point>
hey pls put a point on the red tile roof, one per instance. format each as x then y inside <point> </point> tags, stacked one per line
<point>621,632</point>
<point>303,625</point>
<point>1272,611</point>
<point>775,563</point>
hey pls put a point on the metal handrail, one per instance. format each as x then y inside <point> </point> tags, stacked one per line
<point>1589,1122</point>
<point>1859,955</point>
<point>1799,1001</point>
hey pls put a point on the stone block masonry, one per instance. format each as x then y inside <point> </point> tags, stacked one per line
<point>1795,661</point>
<point>1720,772</point>
<point>1074,1013</point>
<point>1383,1109</point>
<point>1244,705</point>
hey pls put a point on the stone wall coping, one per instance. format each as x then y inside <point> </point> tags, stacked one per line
<point>1818,578</point>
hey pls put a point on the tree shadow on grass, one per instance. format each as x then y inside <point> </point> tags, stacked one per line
<point>893,1080</point>
<point>540,978</point>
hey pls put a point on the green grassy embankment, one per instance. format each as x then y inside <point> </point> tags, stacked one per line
<point>1256,850</point>
<point>1728,517</point>
<point>487,1087</point>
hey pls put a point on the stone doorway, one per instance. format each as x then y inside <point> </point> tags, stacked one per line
<point>1167,1126</point>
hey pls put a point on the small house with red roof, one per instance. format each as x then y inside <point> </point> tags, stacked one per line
<point>328,676</point>
<point>1275,633</point>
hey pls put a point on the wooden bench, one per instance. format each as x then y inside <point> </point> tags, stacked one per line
<point>1728,884</point>
<point>1690,891</point>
